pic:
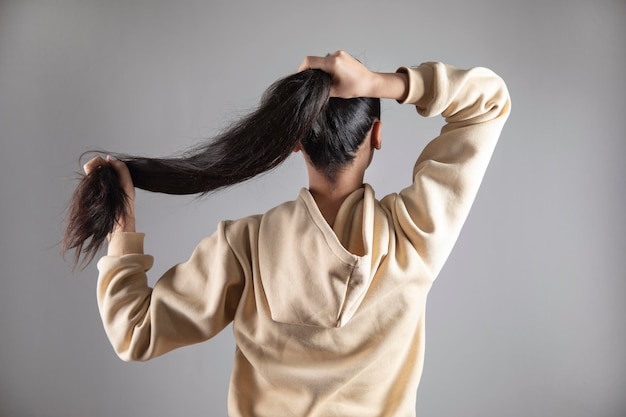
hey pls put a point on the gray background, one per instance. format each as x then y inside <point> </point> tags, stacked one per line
<point>527,317</point>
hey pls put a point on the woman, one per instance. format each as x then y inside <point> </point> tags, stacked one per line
<point>326,293</point>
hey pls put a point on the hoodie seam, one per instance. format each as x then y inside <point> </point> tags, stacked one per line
<point>342,307</point>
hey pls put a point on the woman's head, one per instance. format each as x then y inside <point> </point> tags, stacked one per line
<point>328,129</point>
<point>338,132</point>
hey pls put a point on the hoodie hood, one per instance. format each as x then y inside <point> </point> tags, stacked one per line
<point>315,275</point>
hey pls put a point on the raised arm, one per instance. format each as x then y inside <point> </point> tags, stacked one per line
<point>447,174</point>
<point>352,79</point>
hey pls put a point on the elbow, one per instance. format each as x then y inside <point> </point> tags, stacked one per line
<point>485,100</point>
<point>131,347</point>
<point>130,355</point>
<point>496,96</point>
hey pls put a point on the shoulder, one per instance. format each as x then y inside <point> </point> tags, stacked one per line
<point>246,229</point>
<point>235,230</point>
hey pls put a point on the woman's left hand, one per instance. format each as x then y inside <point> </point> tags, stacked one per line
<point>127,223</point>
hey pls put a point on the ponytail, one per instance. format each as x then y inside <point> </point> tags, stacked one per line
<point>295,109</point>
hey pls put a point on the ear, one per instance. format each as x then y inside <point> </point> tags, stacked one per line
<point>297,148</point>
<point>376,135</point>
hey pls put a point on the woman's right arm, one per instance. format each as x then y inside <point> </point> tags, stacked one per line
<point>475,104</point>
<point>352,79</point>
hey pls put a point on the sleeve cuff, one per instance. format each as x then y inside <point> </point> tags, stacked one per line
<point>124,243</point>
<point>420,84</point>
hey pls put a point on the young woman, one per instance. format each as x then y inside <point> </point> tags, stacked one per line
<point>326,293</point>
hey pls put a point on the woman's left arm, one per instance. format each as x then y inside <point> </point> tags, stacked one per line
<point>190,303</point>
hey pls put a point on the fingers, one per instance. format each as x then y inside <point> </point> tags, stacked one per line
<point>93,164</point>
<point>350,78</point>
<point>326,63</point>
<point>119,166</point>
<point>96,162</point>
<point>126,221</point>
<point>314,62</point>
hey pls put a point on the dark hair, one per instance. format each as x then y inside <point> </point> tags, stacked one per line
<point>294,109</point>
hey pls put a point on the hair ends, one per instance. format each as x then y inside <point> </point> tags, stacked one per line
<point>95,207</point>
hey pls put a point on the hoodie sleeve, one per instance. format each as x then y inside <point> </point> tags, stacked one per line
<point>475,104</point>
<point>190,303</point>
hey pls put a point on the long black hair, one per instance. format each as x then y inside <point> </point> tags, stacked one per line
<point>295,109</point>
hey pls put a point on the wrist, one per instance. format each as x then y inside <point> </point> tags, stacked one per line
<point>126,224</point>
<point>391,85</point>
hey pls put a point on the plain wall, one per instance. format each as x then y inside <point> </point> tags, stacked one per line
<point>527,317</point>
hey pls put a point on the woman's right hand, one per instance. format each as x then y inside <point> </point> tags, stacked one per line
<point>352,79</point>
<point>126,224</point>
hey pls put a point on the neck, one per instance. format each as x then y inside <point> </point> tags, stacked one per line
<point>328,195</point>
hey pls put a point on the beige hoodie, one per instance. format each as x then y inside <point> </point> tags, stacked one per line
<point>327,321</point>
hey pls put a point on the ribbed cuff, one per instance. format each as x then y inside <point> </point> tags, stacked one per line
<point>420,80</point>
